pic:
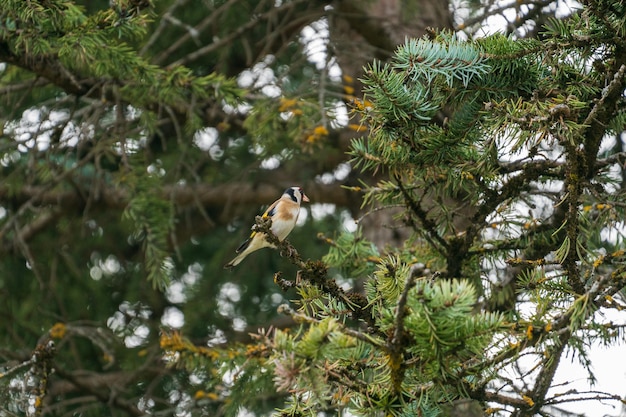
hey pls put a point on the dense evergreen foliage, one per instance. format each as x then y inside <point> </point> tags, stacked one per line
<point>140,139</point>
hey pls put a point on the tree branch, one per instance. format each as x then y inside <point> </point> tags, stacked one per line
<point>102,392</point>
<point>599,116</point>
<point>234,193</point>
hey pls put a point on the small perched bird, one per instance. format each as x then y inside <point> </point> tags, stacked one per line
<point>284,214</point>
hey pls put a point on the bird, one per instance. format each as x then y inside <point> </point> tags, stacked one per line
<point>284,214</point>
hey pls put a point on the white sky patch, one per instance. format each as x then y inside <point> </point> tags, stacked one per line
<point>128,321</point>
<point>348,222</point>
<point>73,134</point>
<point>315,38</point>
<point>261,77</point>
<point>9,158</point>
<point>205,138</point>
<point>138,337</point>
<point>339,174</point>
<point>216,337</point>
<point>173,317</point>
<point>613,234</point>
<point>239,324</point>
<point>193,274</point>
<point>36,127</point>
<point>608,366</point>
<point>129,146</point>
<point>342,171</point>
<point>111,265</point>
<point>196,379</point>
<point>271,90</point>
<point>319,211</point>
<point>270,163</point>
<point>338,115</point>
<point>256,149</point>
<point>156,169</point>
<point>145,404</point>
<point>242,108</point>
<point>101,268</point>
<point>244,412</point>
<point>175,293</point>
<point>229,295</point>
<point>325,178</point>
<point>277,299</point>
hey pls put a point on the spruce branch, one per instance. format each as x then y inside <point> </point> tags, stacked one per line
<point>105,393</point>
<point>397,338</point>
<point>518,403</point>
<point>494,9</point>
<point>583,396</point>
<point>315,272</point>
<point>277,13</point>
<point>544,379</point>
<point>446,57</point>
<point>430,227</point>
<point>544,167</point>
<point>396,346</point>
<point>304,318</point>
<point>8,371</point>
<point>618,158</point>
<point>614,87</point>
<point>42,368</point>
<point>585,305</point>
<point>597,119</point>
<point>573,187</point>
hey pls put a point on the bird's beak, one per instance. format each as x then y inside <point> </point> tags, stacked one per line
<point>305,198</point>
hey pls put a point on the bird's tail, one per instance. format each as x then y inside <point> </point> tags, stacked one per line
<point>236,260</point>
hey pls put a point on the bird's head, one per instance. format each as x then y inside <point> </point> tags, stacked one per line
<point>296,194</point>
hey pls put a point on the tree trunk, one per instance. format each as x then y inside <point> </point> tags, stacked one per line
<point>363,31</point>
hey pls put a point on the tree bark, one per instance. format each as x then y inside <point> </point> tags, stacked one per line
<point>361,32</point>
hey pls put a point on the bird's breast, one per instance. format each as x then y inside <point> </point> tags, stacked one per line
<point>283,226</point>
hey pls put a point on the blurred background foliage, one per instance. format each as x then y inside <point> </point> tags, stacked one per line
<point>140,138</point>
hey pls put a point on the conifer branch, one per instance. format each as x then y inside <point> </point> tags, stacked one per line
<point>304,318</point>
<point>616,158</point>
<point>396,346</point>
<point>430,228</point>
<point>114,197</point>
<point>42,368</point>
<point>278,12</point>
<point>495,9</point>
<point>578,396</point>
<point>104,394</point>
<point>573,187</point>
<point>602,111</point>
<point>544,167</point>
<point>315,272</point>
<point>544,379</point>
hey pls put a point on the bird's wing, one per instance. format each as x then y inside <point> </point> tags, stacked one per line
<point>270,212</point>
<point>244,244</point>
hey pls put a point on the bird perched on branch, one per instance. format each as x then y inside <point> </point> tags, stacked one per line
<point>284,214</point>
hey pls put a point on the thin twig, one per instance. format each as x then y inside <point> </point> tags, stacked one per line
<point>615,85</point>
